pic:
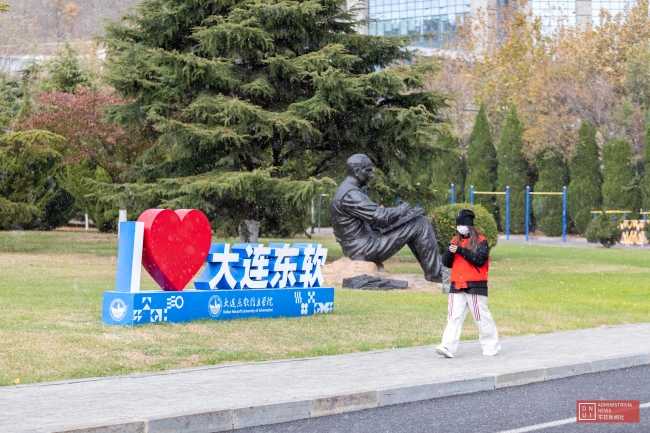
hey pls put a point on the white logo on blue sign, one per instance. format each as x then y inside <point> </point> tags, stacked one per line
<point>118,309</point>
<point>214,306</point>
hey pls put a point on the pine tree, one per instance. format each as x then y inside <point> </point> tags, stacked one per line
<point>513,172</point>
<point>584,190</point>
<point>553,176</point>
<point>262,92</point>
<point>619,172</point>
<point>481,162</point>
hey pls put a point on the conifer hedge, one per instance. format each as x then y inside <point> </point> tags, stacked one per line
<point>481,162</point>
<point>513,172</point>
<point>553,176</point>
<point>619,173</point>
<point>584,190</point>
<point>645,182</point>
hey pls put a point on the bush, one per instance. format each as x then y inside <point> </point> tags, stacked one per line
<point>512,172</point>
<point>481,162</point>
<point>553,175</point>
<point>583,193</point>
<point>443,220</point>
<point>603,229</point>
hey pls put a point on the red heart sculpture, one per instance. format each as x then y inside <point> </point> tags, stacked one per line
<point>176,244</point>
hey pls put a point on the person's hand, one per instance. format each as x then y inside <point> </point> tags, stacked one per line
<point>453,248</point>
<point>406,208</point>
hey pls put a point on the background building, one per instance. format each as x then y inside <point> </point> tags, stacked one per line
<point>432,21</point>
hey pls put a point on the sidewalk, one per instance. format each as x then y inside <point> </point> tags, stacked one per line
<point>224,397</point>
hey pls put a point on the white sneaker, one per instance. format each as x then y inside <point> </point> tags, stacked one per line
<point>493,352</point>
<point>441,350</point>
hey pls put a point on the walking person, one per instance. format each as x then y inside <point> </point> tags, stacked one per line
<point>468,257</point>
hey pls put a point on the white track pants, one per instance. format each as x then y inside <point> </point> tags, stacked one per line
<point>459,303</point>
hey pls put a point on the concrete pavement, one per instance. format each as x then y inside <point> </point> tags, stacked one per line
<point>223,397</point>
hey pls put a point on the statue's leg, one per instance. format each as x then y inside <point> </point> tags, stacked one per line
<point>422,241</point>
<point>418,235</point>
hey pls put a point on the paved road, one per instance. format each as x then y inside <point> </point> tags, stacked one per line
<point>494,411</point>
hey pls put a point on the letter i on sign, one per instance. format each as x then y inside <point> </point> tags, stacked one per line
<point>129,257</point>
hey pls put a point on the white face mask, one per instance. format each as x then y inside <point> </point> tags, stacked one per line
<point>463,230</point>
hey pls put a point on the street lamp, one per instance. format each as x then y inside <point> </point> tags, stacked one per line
<point>320,203</point>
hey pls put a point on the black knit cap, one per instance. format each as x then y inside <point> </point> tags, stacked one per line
<point>465,218</point>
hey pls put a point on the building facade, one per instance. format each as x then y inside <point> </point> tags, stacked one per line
<point>431,22</point>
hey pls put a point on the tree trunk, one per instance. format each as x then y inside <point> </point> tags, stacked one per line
<point>249,231</point>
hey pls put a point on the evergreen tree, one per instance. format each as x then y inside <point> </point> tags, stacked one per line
<point>584,190</point>
<point>619,172</point>
<point>263,92</point>
<point>481,162</point>
<point>64,73</point>
<point>31,193</point>
<point>443,167</point>
<point>11,93</point>
<point>553,176</point>
<point>513,172</point>
<point>645,182</point>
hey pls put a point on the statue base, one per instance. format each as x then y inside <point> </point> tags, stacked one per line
<point>335,272</point>
<point>137,308</point>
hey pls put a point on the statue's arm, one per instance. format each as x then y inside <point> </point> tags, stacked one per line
<point>358,205</point>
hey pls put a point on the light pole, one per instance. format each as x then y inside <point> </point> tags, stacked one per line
<point>320,203</point>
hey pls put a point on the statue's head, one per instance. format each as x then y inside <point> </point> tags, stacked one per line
<point>359,166</point>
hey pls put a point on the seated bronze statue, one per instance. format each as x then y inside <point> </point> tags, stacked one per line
<point>372,233</point>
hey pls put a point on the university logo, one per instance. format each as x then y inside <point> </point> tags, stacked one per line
<point>214,306</point>
<point>118,309</point>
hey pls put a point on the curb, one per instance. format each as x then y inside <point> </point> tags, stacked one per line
<point>230,419</point>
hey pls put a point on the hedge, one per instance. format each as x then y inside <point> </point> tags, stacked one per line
<point>443,220</point>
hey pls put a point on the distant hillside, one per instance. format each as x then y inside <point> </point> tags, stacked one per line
<point>41,24</point>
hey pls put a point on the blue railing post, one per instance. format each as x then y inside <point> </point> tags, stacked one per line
<point>417,206</point>
<point>527,210</point>
<point>320,205</point>
<point>452,194</point>
<point>365,190</point>
<point>399,200</point>
<point>564,214</point>
<point>507,213</point>
<point>471,194</point>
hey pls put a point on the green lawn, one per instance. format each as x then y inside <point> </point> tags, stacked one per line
<point>51,285</point>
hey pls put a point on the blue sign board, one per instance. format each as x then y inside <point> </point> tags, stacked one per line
<point>247,280</point>
<point>129,309</point>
